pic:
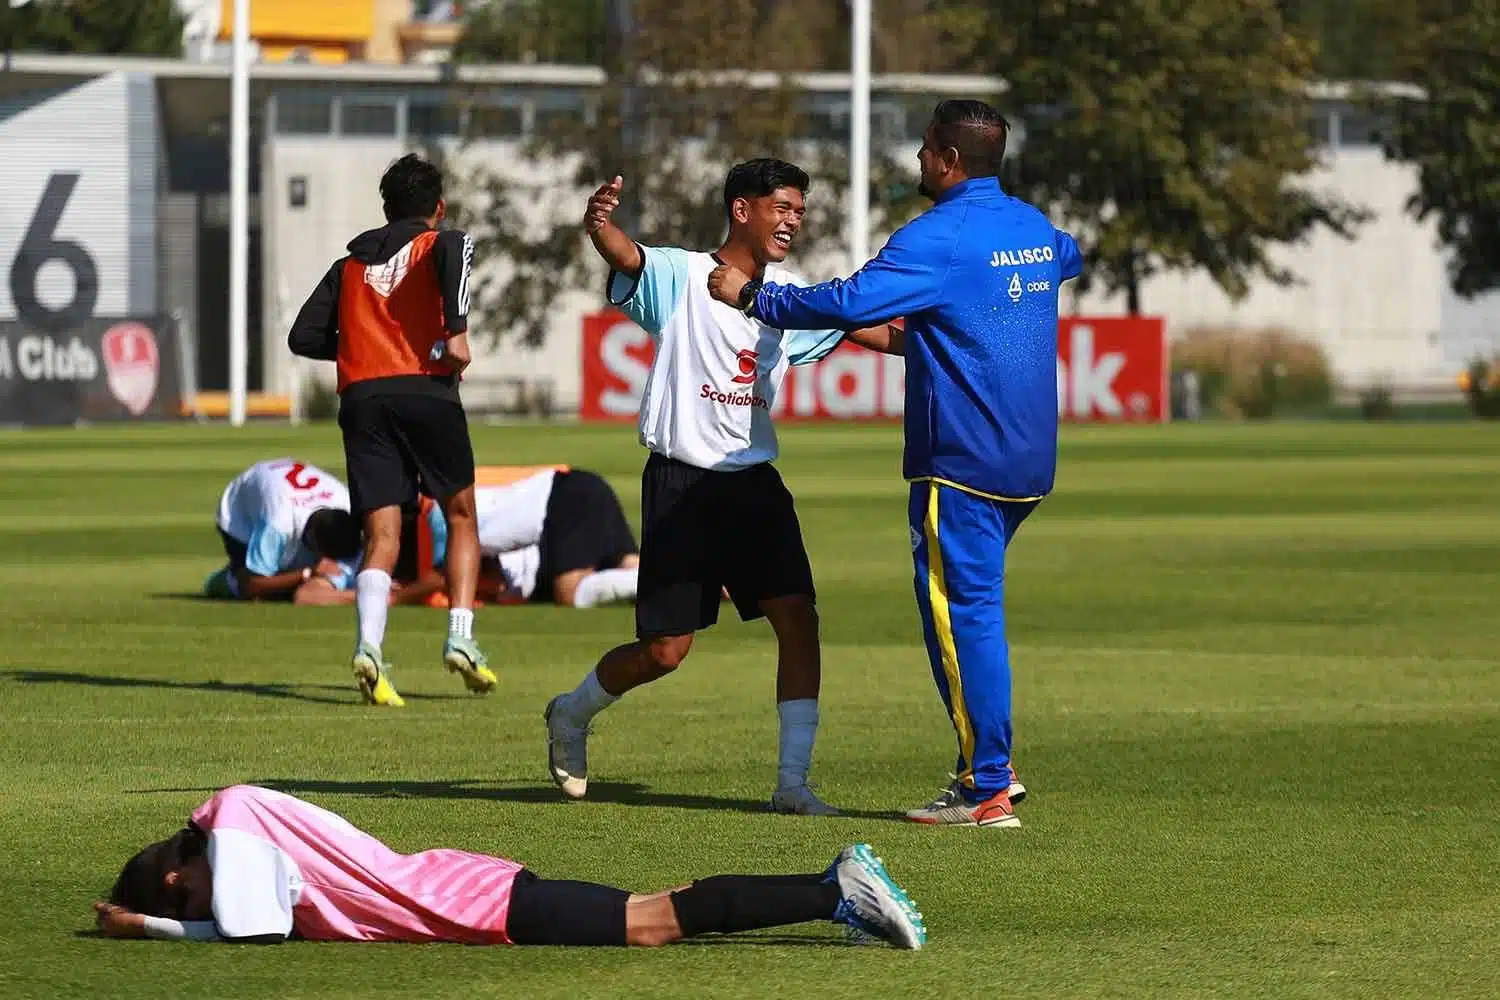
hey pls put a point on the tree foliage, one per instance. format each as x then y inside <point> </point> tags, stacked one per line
<point>1170,134</point>
<point>95,27</point>
<point>1452,136</point>
<point>669,121</point>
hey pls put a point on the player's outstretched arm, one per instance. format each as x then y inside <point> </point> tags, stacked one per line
<point>618,250</point>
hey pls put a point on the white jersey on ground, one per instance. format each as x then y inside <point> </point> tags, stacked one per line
<point>716,373</point>
<point>266,507</point>
<point>520,568</point>
<point>511,516</point>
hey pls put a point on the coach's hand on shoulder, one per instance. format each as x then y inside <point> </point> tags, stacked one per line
<point>725,284</point>
<point>602,205</point>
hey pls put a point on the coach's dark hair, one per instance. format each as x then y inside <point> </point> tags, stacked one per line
<point>142,885</point>
<point>332,533</point>
<point>976,130</point>
<point>411,188</point>
<point>758,178</point>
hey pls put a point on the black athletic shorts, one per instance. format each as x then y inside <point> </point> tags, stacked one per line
<point>703,530</point>
<point>585,528</point>
<point>397,445</point>
<point>556,911</point>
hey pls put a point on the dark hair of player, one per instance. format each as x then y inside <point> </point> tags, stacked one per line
<point>142,885</point>
<point>333,534</point>
<point>411,189</point>
<point>759,178</point>
<point>976,130</point>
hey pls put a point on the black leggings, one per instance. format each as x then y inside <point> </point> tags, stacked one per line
<point>560,912</point>
<point>557,911</point>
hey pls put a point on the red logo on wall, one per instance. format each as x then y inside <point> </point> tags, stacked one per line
<point>1109,370</point>
<point>131,365</point>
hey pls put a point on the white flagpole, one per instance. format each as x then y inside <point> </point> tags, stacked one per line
<point>859,136</point>
<point>239,213</point>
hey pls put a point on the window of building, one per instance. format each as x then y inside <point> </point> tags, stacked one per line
<point>367,118</point>
<point>304,114</point>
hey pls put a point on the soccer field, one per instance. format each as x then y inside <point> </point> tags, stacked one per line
<point>1257,702</point>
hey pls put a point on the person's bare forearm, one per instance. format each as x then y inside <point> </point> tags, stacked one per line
<point>618,250</point>
<point>886,338</point>
<point>419,589</point>
<point>260,587</point>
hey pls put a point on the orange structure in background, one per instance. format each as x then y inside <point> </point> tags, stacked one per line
<point>337,31</point>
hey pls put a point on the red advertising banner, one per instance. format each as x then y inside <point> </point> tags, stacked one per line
<point>1111,369</point>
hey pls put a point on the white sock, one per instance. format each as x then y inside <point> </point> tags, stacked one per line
<point>587,700</point>
<point>461,623</point>
<point>606,587</point>
<point>799,727</point>
<point>372,598</point>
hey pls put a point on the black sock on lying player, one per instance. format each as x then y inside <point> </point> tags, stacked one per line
<point>726,904</point>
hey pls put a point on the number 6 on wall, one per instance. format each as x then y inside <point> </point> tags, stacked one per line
<point>40,245</point>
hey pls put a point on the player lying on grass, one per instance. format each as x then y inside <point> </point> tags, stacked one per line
<point>284,524</point>
<point>255,865</point>
<point>579,550</point>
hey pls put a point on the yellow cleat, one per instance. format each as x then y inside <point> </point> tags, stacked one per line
<point>462,657</point>
<point>374,684</point>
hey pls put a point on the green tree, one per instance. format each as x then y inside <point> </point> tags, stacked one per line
<point>1168,134</point>
<point>1355,39</point>
<point>669,119</point>
<point>1451,134</point>
<point>95,27</point>
<point>570,32</point>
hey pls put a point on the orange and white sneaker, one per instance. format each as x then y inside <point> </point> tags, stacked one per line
<point>1017,790</point>
<point>950,809</point>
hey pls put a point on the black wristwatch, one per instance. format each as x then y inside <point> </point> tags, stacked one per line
<point>746,302</point>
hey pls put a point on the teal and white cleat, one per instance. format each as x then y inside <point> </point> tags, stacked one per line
<point>873,905</point>
<point>462,657</point>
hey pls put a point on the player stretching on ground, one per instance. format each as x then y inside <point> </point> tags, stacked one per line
<point>257,865</point>
<point>577,545</point>
<point>285,524</point>
<point>715,513</point>
<point>394,315</point>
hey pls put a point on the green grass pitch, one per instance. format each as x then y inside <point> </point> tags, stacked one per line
<point>1257,687</point>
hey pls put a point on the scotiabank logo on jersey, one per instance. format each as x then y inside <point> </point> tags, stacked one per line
<point>1111,369</point>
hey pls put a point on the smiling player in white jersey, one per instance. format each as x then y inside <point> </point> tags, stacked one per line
<point>715,512</point>
<point>284,522</point>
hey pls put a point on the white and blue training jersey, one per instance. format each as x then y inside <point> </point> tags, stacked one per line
<point>716,373</point>
<point>266,508</point>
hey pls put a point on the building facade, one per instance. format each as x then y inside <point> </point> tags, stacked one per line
<point>323,132</point>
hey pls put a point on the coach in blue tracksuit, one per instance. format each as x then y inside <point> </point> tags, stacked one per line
<point>976,278</point>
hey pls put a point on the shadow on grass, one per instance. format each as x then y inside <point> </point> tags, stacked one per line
<point>607,792</point>
<point>321,694</point>
<point>710,940</point>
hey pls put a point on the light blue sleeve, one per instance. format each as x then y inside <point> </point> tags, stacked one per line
<point>1069,257</point>
<point>263,553</point>
<point>348,570</point>
<point>439,526</point>
<point>804,347</point>
<point>651,299</point>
